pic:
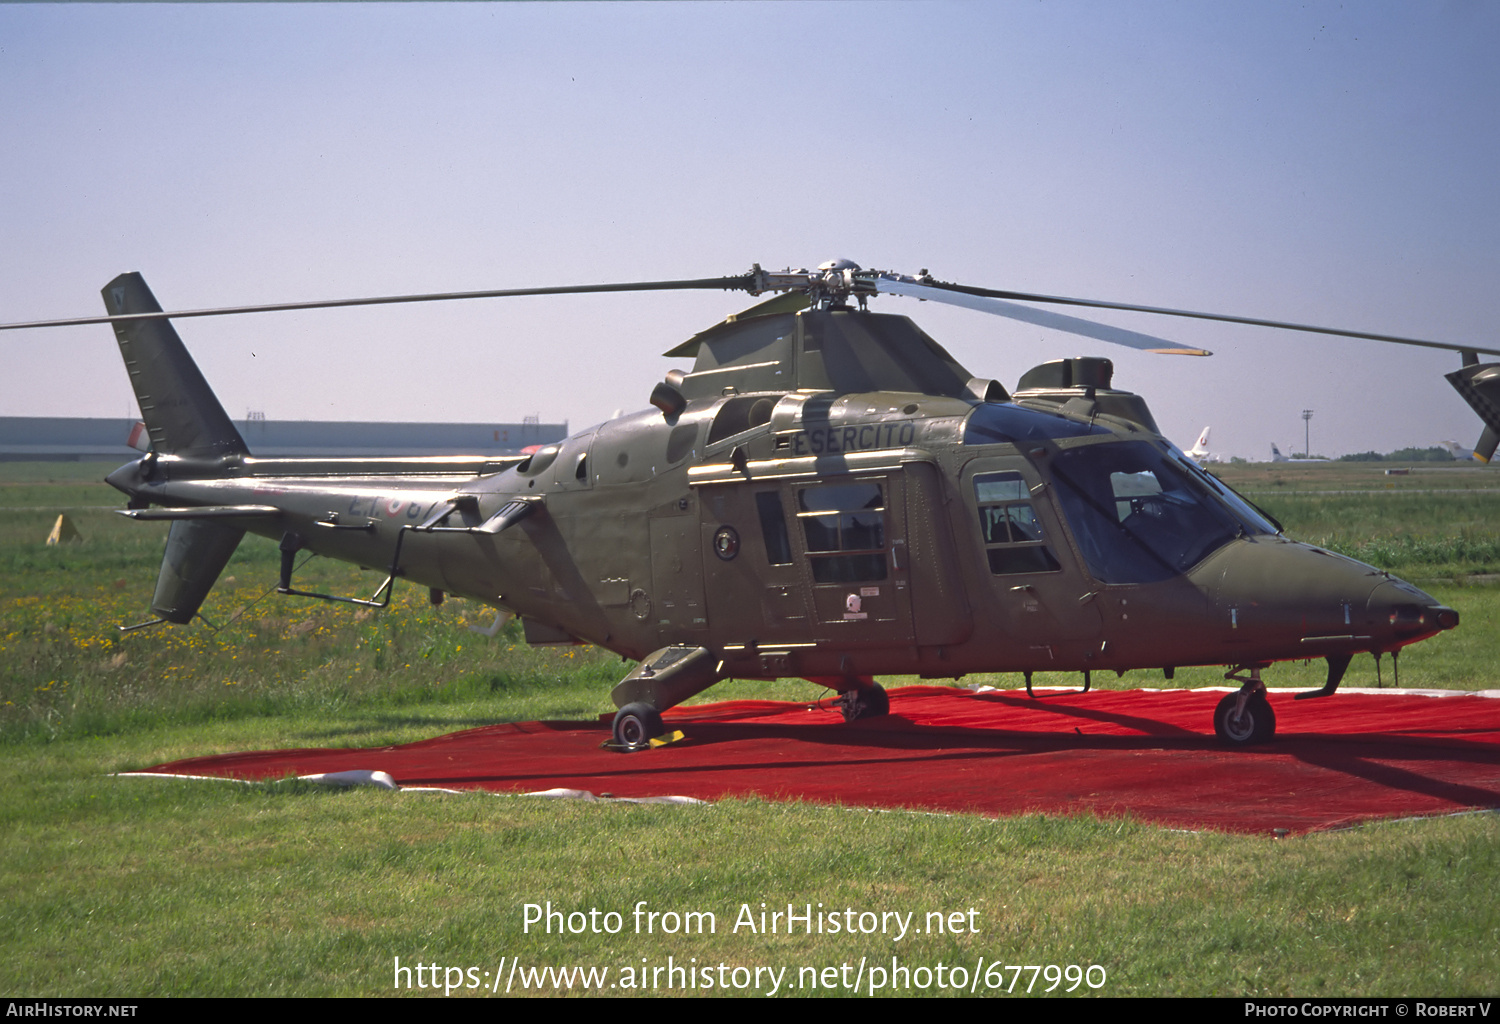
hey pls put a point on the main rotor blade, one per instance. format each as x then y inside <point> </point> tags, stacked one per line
<point>741,283</point>
<point>1040,317</point>
<point>1222,317</point>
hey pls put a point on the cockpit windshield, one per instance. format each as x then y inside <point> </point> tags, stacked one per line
<point>1140,516</point>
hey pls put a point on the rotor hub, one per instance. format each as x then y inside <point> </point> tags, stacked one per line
<point>828,287</point>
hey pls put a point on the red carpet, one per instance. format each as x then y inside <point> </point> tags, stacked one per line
<point>1149,754</point>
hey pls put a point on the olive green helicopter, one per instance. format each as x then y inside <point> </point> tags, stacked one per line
<point>826,494</point>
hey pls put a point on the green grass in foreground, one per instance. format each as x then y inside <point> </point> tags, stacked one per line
<point>153,887</point>
<point>137,887</point>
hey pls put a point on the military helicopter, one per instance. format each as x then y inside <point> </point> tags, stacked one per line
<point>827,494</point>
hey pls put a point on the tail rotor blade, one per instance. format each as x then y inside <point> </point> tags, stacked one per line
<point>1488,441</point>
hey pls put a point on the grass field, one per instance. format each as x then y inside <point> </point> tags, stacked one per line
<point>137,887</point>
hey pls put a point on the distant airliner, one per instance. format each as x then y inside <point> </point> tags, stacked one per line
<point>1199,452</point>
<point>1276,456</point>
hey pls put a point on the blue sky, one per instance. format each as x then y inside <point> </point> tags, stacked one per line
<point>1314,162</point>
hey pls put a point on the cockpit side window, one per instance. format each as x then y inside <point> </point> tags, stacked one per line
<point>1012,535</point>
<point>844,527</point>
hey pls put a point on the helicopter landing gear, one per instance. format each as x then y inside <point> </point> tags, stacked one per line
<point>864,702</point>
<point>663,679</point>
<point>1245,717</point>
<point>636,725</point>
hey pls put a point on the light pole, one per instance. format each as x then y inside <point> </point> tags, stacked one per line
<point>1306,433</point>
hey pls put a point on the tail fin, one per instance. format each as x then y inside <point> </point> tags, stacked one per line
<point>182,417</point>
<point>197,551</point>
<point>179,408</point>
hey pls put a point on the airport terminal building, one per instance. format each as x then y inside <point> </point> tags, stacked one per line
<point>77,439</point>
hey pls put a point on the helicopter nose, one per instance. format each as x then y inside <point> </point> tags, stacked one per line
<point>1405,613</point>
<point>1299,598</point>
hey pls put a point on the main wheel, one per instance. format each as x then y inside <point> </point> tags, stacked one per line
<point>1256,724</point>
<point>864,702</point>
<point>636,725</point>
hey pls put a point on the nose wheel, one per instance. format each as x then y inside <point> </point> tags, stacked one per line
<point>1245,717</point>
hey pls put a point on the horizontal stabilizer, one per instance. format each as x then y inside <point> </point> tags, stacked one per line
<point>202,512</point>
